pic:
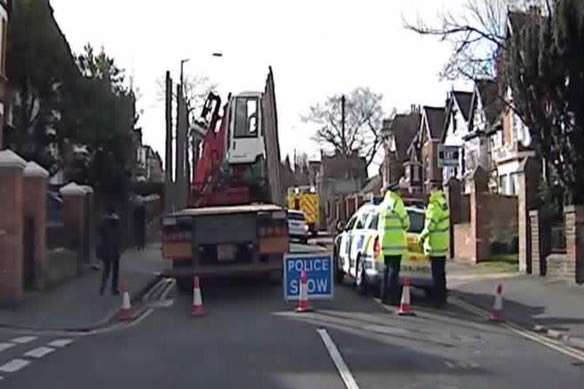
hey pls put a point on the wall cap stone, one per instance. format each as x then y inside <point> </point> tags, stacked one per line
<point>9,159</point>
<point>88,189</point>
<point>573,209</point>
<point>33,169</point>
<point>72,189</point>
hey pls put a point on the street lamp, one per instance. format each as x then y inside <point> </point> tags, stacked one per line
<point>182,63</point>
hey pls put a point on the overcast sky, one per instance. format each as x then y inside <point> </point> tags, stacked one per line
<point>316,47</point>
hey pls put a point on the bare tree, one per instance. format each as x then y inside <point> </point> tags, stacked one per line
<point>196,90</point>
<point>478,36</point>
<point>362,130</point>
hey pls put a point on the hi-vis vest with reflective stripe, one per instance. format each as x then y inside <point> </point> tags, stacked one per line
<point>394,224</point>
<point>436,234</point>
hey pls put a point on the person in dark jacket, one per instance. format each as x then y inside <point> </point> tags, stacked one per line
<point>109,249</point>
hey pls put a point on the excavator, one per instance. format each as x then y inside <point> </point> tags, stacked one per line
<point>235,224</point>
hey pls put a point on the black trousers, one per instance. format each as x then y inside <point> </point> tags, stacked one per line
<point>390,289</point>
<point>439,279</point>
<point>110,266</point>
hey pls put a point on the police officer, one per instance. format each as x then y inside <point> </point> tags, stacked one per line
<point>394,225</point>
<point>436,240</point>
<point>109,249</point>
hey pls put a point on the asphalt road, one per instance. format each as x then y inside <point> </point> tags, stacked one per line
<point>251,338</point>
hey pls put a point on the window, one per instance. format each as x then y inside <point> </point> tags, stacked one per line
<point>417,220</point>
<point>351,223</point>
<point>416,175</point>
<point>246,117</point>
<point>296,215</point>
<point>361,221</point>
<point>454,122</point>
<point>373,221</point>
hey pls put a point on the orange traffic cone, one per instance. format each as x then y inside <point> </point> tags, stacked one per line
<point>405,309</point>
<point>125,312</point>
<point>496,312</point>
<point>197,309</point>
<point>303,301</point>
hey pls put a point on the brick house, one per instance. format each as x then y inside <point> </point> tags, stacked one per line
<point>398,133</point>
<point>421,169</point>
<point>456,127</point>
<point>4,97</point>
<point>511,141</point>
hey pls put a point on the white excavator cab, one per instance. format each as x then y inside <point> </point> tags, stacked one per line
<point>246,135</point>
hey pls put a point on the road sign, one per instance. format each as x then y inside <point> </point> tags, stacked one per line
<point>448,156</point>
<point>318,267</point>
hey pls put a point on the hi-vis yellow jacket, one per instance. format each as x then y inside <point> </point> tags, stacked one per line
<point>394,225</point>
<point>436,233</point>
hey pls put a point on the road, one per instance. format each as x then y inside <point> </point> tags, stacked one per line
<point>252,339</point>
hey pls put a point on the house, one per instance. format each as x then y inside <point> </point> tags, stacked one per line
<point>511,141</point>
<point>456,128</point>
<point>484,126</point>
<point>4,95</point>
<point>398,134</point>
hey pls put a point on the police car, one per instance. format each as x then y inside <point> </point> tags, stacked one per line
<point>357,250</point>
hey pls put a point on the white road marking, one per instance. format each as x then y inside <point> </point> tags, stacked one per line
<point>333,351</point>
<point>60,342</point>
<point>449,364</point>
<point>39,352</point>
<point>24,339</point>
<point>13,365</point>
<point>553,344</point>
<point>5,346</point>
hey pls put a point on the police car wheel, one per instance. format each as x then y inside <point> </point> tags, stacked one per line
<point>339,273</point>
<point>361,278</point>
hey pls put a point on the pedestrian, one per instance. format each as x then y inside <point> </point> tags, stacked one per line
<point>394,225</point>
<point>109,249</point>
<point>436,239</point>
<point>140,226</point>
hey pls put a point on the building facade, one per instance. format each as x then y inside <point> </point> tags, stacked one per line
<point>456,128</point>
<point>4,95</point>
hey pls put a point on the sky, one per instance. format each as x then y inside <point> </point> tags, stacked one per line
<point>316,48</point>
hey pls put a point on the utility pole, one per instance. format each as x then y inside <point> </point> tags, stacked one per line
<point>180,149</point>
<point>344,139</point>
<point>168,165</point>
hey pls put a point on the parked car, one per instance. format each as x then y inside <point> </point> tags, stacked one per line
<point>297,227</point>
<point>357,250</point>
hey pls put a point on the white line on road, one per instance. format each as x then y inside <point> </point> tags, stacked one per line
<point>5,346</point>
<point>39,352</point>
<point>13,365</point>
<point>60,342</point>
<point>344,371</point>
<point>449,364</point>
<point>24,339</point>
<point>553,344</point>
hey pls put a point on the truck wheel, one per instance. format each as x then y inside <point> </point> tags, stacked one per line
<point>185,284</point>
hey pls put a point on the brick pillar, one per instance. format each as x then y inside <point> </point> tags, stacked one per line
<point>574,217</point>
<point>479,215</point>
<point>73,218</point>
<point>35,214</point>
<point>540,243</point>
<point>11,229</point>
<point>454,198</point>
<point>529,178</point>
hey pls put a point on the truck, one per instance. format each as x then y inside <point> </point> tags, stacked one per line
<point>235,223</point>
<point>305,199</point>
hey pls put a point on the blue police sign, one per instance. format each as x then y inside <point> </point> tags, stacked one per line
<point>318,267</point>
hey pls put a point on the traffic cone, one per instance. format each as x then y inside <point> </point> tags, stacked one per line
<point>197,309</point>
<point>405,309</point>
<point>303,301</point>
<point>496,312</point>
<point>125,311</point>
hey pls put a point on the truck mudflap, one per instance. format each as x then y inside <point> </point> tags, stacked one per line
<point>207,271</point>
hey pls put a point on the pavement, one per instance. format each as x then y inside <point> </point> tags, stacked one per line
<point>76,303</point>
<point>549,306</point>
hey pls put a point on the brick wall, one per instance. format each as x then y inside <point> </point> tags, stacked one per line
<point>500,217</point>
